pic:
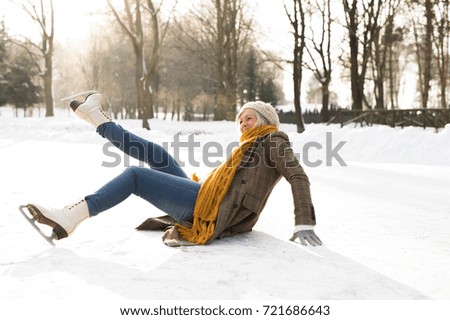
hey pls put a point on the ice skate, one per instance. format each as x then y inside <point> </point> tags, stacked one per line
<point>32,220</point>
<point>90,108</point>
<point>62,221</point>
<point>83,94</point>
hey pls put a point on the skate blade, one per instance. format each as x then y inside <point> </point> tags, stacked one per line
<point>78,95</point>
<point>32,220</point>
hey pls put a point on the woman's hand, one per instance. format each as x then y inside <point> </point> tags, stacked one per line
<point>306,234</point>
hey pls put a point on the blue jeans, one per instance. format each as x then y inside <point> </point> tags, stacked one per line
<point>164,184</point>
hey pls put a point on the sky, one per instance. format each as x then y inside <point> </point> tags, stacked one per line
<point>75,18</point>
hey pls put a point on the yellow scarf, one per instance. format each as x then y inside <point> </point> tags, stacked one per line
<point>214,188</point>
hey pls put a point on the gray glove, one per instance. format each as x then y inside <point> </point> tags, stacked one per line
<point>307,236</point>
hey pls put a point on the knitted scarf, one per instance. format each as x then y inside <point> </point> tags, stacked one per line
<point>214,188</point>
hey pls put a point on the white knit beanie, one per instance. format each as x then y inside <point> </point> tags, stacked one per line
<point>264,109</point>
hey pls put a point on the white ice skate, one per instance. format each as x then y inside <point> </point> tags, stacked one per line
<point>83,94</point>
<point>62,221</point>
<point>88,109</point>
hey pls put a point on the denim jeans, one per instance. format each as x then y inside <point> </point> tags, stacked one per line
<point>164,184</point>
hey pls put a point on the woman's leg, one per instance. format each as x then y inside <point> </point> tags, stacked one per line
<point>166,185</point>
<point>170,193</point>
<point>151,153</point>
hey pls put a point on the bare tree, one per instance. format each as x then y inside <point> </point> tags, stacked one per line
<point>43,15</point>
<point>423,33</point>
<point>362,22</point>
<point>319,49</point>
<point>231,32</point>
<point>441,42</point>
<point>186,68</point>
<point>384,38</point>
<point>217,33</point>
<point>133,25</point>
<point>297,20</point>
<point>3,67</point>
<point>90,65</point>
<point>395,46</point>
<point>203,103</point>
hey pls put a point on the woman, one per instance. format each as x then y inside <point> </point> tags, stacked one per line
<point>228,202</point>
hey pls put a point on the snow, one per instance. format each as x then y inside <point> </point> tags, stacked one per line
<point>383,214</point>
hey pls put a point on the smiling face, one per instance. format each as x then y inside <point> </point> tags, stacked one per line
<point>247,120</point>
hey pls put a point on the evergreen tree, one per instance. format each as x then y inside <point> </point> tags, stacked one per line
<point>268,92</point>
<point>3,38</point>
<point>250,77</point>
<point>260,79</point>
<point>20,89</point>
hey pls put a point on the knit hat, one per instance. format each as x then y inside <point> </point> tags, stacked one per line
<point>264,109</point>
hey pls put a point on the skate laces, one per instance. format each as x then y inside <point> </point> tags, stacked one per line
<point>71,206</point>
<point>99,106</point>
<point>105,114</point>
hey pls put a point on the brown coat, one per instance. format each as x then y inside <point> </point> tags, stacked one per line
<point>270,158</point>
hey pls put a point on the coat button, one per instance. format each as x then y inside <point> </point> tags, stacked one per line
<point>243,181</point>
<point>235,205</point>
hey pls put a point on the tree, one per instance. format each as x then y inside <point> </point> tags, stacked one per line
<point>109,65</point>
<point>259,78</point>
<point>320,52</point>
<point>362,23</point>
<point>395,47</point>
<point>117,73</point>
<point>21,90</point>
<point>422,17</point>
<point>133,25</point>
<point>231,33</point>
<point>214,36</point>
<point>203,103</point>
<point>383,41</point>
<point>91,65</point>
<point>250,79</point>
<point>297,20</point>
<point>441,42</point>
<point>186,68</point>
<point>43,15</point>
<point>3,69</point>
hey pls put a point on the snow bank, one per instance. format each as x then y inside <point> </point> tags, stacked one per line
<point>383,144</point>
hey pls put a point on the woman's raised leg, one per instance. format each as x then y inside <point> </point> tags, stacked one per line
<point>154,155</point>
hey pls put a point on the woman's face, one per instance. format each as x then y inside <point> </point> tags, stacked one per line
<point>247,120</point>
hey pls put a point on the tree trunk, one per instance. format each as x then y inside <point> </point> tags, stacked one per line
<point>324,112</point>
<point>298,24</point>
<point>428,52</point>
<point>46,25</point>
<point>219,111</point>
<point>297,76</point>
<point>144,73</point>
<point>227,41</point>
<point>48,92</point>
<point>356,86</point>
<point>442,47</point>
<point>322,49</point>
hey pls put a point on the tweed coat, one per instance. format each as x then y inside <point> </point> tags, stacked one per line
<point>270,158</point>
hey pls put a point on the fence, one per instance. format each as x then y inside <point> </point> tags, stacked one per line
<point>436,118</point>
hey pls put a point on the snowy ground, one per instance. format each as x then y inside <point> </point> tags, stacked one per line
<point>384,220</point>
